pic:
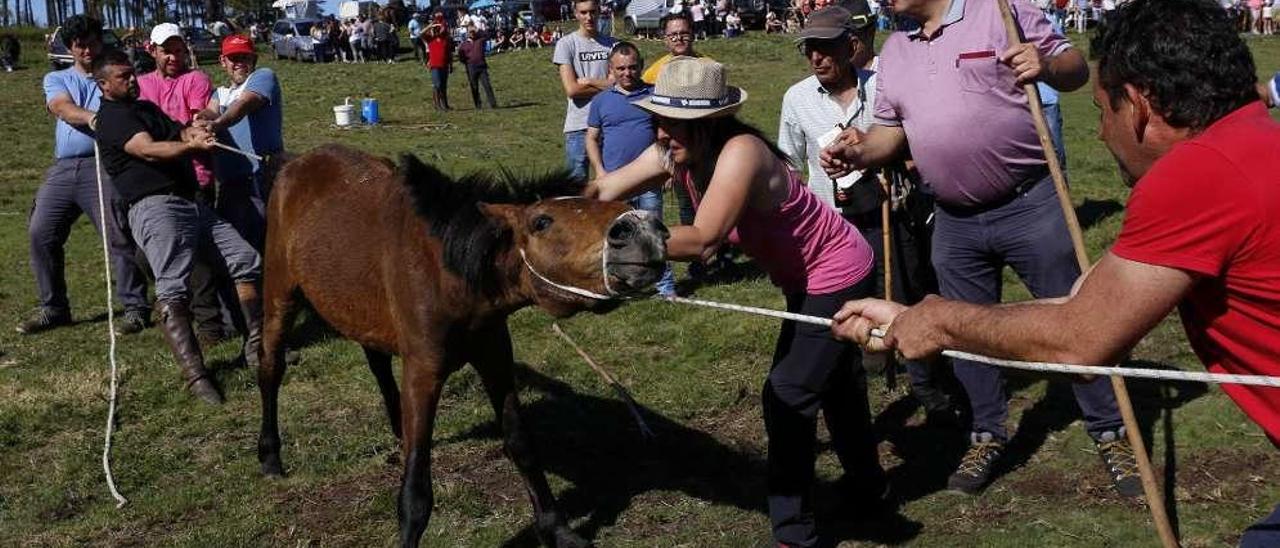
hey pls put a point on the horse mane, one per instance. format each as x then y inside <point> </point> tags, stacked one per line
<point>471,241</point>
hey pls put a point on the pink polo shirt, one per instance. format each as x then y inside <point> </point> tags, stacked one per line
<point>966,120</point>
<point>180,98</point>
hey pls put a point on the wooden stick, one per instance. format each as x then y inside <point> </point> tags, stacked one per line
<point>1155,500</point>
<point>612,382</point>
<point>890,376</point>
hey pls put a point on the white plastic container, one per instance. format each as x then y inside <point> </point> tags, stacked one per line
<point>342,113</point>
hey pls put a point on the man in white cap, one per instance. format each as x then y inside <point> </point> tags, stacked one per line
<point>181,91</point>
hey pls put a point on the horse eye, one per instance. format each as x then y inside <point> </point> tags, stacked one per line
<point>541,222</point>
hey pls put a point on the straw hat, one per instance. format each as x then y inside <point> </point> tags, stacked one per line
<point>690,88</point>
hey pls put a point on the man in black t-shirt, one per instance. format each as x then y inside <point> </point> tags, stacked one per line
<point>145,153</point>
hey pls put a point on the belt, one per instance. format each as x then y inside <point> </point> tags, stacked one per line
<point>1018,190</point>
<point>166,192</point>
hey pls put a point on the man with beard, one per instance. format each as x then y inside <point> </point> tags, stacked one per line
<point>181,92</point>
<point>1201,229</point>
<point>71,188</point>
<point>248,115</point>
<point>147,155</point>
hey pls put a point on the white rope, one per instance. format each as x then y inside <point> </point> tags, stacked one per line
<point>244,153</point>
<point>111,330</point>
<point>1161,374</point>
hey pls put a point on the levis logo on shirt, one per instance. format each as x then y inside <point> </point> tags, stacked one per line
<point>588,56</point>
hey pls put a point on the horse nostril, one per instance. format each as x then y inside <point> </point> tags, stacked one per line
<point>622,232</point>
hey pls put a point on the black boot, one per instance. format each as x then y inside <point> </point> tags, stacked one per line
<point>251,306</point>
<point>175,323</point>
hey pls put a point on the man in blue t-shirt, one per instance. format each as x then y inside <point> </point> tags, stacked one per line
<point>248,115</point>
<point>71,188</point>
<point>618,131</point>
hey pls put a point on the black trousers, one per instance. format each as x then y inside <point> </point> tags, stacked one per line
<point>478,76</point>
<point>813,371</point>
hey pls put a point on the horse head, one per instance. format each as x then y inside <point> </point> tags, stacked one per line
<point>580,253</point>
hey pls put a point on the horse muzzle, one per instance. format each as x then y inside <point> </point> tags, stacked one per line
<point>636,252</point>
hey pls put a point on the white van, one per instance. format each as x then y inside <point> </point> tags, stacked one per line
<point>642,16</point>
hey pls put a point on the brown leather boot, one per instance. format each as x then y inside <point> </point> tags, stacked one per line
<point>251,306</point>
<point>175,323</point>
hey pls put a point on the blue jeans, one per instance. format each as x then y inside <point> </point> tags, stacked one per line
<point>575,153</point>
<point>970,249</point>
<point>652,202</point>
<point>1264,534</point>
<point>71,188</point>
<point>440,79</point>
<point>1053,119</point>
<point>172,229</point>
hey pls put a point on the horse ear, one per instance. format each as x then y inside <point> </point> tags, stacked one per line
<point>507,215</point>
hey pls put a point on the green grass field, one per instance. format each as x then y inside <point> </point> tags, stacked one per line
<point>191,473</point>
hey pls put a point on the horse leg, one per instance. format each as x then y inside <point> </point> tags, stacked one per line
<point>380,364</point>
<point>423,380</point>
<point>492,357</point>
<point>279,309</point>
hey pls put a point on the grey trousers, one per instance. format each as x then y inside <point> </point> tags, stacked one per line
<point>971,248</point>
<point>71,188</point>
<point>172,229</point>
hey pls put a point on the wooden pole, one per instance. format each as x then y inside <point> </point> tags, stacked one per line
<point>890,373</point>
<point>612,382</point>
<point>1155,501</point>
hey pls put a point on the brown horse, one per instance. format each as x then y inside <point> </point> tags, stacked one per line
<point>408,262</point>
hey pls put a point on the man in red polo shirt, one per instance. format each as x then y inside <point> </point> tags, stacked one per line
<point>1202,231</point>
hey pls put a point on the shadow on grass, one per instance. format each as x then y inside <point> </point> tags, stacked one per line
<point>1092,212</point>
<point>598,449</point>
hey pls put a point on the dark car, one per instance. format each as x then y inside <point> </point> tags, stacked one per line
<point>203,44</point>
<point>60,55</point>
<point>752,13</point>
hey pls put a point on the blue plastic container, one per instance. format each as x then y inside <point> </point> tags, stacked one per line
<point>369,110</point>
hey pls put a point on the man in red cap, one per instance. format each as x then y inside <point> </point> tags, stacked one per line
<point>248,115</point>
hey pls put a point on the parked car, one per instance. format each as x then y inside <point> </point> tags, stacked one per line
<point>752,13</point>
<point>60,56</point>
<point>642,16</point>
<point>291,38</point>
<point>203,45</point>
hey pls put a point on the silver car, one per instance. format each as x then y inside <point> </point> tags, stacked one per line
<point>291,38</point>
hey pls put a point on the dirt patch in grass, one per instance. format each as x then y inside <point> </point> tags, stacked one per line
<point>329,510</point>
<point>1226,475</point>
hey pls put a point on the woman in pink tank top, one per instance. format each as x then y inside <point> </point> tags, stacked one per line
<point>745,192</point>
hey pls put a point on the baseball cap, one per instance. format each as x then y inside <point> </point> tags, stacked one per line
<point>236,43</point>
<point>164,31</point>
<point>832,22</point>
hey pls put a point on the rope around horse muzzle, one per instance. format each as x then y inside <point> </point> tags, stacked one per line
<point>604,265</point>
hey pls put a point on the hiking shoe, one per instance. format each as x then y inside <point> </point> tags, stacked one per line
<point>975,467</point>
<point>1120,461</point>
<point>133,321</point>
<point>42,319</point>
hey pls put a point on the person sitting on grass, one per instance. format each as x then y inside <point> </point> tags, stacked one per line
<point>745,189</point>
